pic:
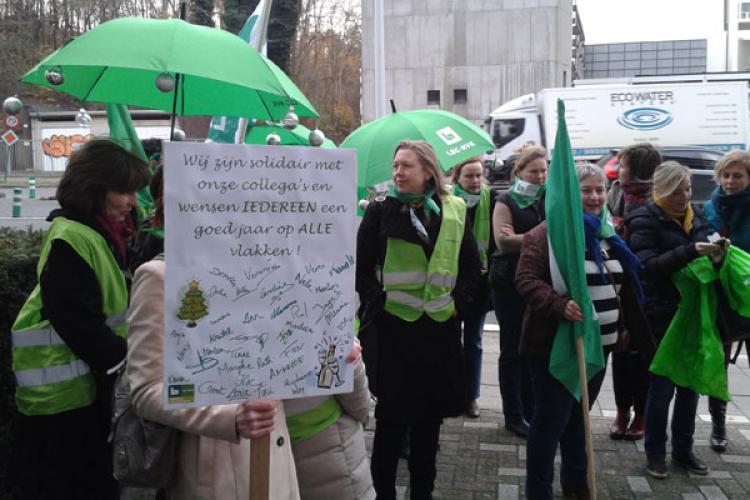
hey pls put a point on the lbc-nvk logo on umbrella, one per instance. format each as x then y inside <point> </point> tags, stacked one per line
<point>448,135</point>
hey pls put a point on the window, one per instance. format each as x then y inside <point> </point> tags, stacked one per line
<point>632,64</point>
<point>666,45</point>
<point>665,54</point>
<point>616,47</point>
<point>616,65</point>
<point>682,53</point>
<point>632,47</point>
<point>506,130</point>
<point>697,44</point>
<point>433,97</point>
<point>459,96</point>
<point>682,44</point>
<point>632,56</point>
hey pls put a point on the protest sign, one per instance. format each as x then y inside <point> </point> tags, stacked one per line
<point>259,295</point>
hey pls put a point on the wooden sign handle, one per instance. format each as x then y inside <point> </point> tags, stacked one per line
<point>260,467</point>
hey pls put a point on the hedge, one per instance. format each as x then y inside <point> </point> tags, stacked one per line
<point>19,253</point>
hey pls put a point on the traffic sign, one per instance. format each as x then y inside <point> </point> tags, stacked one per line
<point>12,121</point>
<point>9,137</point>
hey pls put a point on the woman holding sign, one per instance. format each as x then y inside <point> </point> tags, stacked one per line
<point>417,265</point>
<point>213,458</point>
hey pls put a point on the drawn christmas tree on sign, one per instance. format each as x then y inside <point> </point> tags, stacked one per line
<point>193,304</point>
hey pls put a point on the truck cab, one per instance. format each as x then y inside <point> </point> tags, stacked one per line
<point>514,124</point>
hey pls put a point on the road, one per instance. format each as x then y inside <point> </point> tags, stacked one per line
<point>33,211</point>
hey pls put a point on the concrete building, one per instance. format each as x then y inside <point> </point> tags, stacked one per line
<point>467,57</point>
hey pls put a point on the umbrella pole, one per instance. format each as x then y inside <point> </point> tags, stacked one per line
<point>590,473</point>
<point>174,106</point>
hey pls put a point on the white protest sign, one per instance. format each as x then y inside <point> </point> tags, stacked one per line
<point>259,297</point>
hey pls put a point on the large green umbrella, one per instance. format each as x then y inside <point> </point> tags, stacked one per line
<point>299,136</point>
<point>454,138</point>
<point>170,65</point>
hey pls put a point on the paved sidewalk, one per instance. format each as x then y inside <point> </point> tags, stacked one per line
<point>479,459</point>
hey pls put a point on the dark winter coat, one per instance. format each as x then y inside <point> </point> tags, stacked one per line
<point>664,248</point>
<point>545,306</point>
<point>419,366</point>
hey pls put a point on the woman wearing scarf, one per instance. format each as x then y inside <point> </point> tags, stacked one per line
<point>417,266</point>
<point>468,183</point>
<point>667,234</point>
<point>728,213</point>
<point>70,333</point>
<point>613,283</point>
<point>629,369</point>
<point>517,211</point>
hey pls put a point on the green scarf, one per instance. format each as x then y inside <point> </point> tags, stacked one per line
<point>525,193</point>
<point>471,199</point>
<point>607,227</point>
<point>413,198</point>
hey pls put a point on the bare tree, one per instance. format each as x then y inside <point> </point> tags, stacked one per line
<point>326,62</point>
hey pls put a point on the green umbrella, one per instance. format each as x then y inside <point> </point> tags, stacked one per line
<point>212,72</point>
<point>299,136</point>
<point>454,138</point>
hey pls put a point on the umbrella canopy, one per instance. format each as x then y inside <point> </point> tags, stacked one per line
<point>299,136</point>
<point>212,71</point>
<point>454,138</point>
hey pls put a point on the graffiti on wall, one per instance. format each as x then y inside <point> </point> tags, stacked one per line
<point>59,145</point>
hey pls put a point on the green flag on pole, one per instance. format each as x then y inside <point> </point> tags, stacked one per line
<point>121,130</point>
<point>564,213</point>
<point>226,129</point>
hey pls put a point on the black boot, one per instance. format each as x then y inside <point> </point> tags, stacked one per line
<point>718,410</point>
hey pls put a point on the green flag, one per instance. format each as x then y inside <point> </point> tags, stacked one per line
<point>226,129</point>
<point>121,130</point>
<point>564,213</point>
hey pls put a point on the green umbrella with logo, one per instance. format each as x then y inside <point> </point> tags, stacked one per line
<point>454,138</point>
<point>171,65</point>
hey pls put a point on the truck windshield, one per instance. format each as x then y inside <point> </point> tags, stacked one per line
<point>506,129</point>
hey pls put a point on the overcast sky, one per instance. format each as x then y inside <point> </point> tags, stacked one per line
<point>607,21</point>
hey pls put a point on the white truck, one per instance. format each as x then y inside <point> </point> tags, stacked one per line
<point>605,117</point>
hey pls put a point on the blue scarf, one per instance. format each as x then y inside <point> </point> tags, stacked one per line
<point>731,208</point>
<point>631,264</point>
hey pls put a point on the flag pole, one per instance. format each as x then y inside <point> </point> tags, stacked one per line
<point>590,472</point>
<point>260,467</point>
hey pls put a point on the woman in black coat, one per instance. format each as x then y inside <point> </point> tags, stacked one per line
<point>667,234</point>
<point>419,372</point>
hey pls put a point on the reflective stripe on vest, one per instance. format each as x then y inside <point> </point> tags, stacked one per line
<point>414,285</point>
<point>50,378</point>
<point>482,225</point>
<point>310,422</point>
<point>51,374</point>
<point>48,335</point>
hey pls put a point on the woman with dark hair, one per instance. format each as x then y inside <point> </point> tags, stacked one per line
<point>417,263</point>
<point>469,184</point>
<point>517,211</point>
<point>728,213</point>
<point>70,334</point>
<point>667,234</point>
<point>148,240</point>
<point>629,369</point>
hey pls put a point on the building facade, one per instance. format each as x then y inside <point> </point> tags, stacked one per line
<point>466,57</point>
<point>667,57</point>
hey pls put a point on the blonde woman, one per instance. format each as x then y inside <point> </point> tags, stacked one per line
<point>517,211</point>
<point>417,265</point>
<point>667,234</point>
<point>728,213</point>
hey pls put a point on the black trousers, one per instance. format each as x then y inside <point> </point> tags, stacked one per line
<point>389,437</point>
<point>630,381</point>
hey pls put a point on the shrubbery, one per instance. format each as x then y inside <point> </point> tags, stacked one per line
<point>19,253</point>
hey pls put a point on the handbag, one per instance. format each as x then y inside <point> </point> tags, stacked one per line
<point>144,453</point>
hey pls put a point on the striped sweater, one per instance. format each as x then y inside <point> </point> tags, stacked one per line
<point>604,295</point>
